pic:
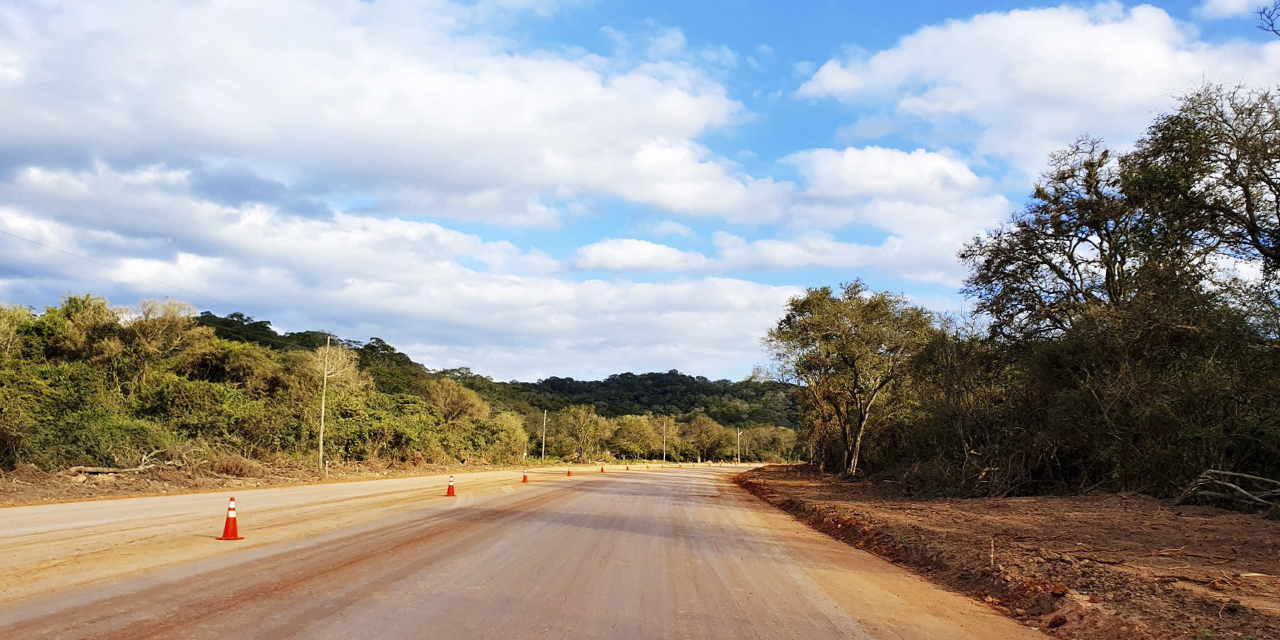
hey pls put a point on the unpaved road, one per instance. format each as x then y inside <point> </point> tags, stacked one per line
<point>671,553</point>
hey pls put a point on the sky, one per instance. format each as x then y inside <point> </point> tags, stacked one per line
<point>535,188</point>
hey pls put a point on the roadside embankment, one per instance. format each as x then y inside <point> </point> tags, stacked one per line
<point>1085,568</point>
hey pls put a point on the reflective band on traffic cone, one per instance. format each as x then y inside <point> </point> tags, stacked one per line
<point>526,476</point>
<point>229,531</point>
<point>450,493</point>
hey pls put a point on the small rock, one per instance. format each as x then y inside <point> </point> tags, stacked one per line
<point>1057,621</point>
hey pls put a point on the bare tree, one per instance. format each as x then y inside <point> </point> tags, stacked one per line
<point>1269,16</point>
<point>335,361</point>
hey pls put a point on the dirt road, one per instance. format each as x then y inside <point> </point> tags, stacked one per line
<point>674,553</point>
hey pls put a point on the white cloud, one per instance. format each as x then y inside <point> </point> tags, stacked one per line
<point>918,175</point>
<point>1227,8</point>
<point>918,259</point>
<point>1018,85</point>
<point>920,207</point>
<point>625,254</point>
<point>412,104</point>
<point>447,298</point>
<point>668,228</point>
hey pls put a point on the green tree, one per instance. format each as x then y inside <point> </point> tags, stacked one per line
<point>14,323</point>
<point>847,351</point>
<point>1082,243</point>
<point>582,428</point>
<point>456,402</point>
<point>1217,158</point>
<point>704,436</point>
<point>634,437</point>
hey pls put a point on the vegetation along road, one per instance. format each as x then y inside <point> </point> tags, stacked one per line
<point>649,553</point>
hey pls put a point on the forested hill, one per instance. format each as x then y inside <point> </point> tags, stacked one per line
<point>732,404</point>
<point>674,393</point>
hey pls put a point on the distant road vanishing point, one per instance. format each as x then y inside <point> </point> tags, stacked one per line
<point>656,553</point>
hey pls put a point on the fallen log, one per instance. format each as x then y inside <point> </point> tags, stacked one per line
<point>73,471</point>
<point>1230,486</point>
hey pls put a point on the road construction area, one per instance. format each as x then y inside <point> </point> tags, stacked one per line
<point>645,553</point>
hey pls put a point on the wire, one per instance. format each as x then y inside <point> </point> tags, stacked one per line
<point>197,294</point>
<point>103,264</point>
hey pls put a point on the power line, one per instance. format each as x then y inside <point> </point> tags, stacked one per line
<point>109,266</point>
<point>197,294</point>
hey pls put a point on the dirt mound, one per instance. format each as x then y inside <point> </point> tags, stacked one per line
<point>1087,568</point>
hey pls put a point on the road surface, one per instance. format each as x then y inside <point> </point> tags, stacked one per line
<point>658,553</point>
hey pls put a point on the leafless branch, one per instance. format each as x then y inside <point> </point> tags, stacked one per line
<point>1269,17</point>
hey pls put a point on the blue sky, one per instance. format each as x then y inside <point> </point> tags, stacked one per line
<point>556,187</point>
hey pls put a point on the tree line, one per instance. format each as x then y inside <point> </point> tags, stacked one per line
<point>1125,334</point>
<point>86,383</point>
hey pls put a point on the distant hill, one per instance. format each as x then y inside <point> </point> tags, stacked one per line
<point>732,404</point>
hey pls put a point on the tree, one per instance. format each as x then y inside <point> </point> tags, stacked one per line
<point>334,361</point>
<point>581,425</point>
<point>81,328</point>
<point>847,351</point>
<point>1219,158</point>
<point>1099,233</point>
<point>1119,334</point>
<point>456,402</point>
<point>13,320</point>
<point>157,330</point>
<point>392,371</point>
<point>1066,251</point>
<point>1269,17</point>
<point>237,326</point>
<point>703,435</point>
<point>634,436</point>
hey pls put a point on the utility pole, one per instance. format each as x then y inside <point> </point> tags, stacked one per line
<point>324,390</point>
<point>544,435</point>
<point>739,430</point>
<point>664,441</point>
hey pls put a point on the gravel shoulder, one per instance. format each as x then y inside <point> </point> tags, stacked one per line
<point>29,485</point>
<point>1085,568</point>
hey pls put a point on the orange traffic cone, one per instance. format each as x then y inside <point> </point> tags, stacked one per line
<point>601,469</point>
<point>628,468</point>
<point>526,476</point>
<point>450,493</point>
<point>229,531</point>
<point>570,474</point>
